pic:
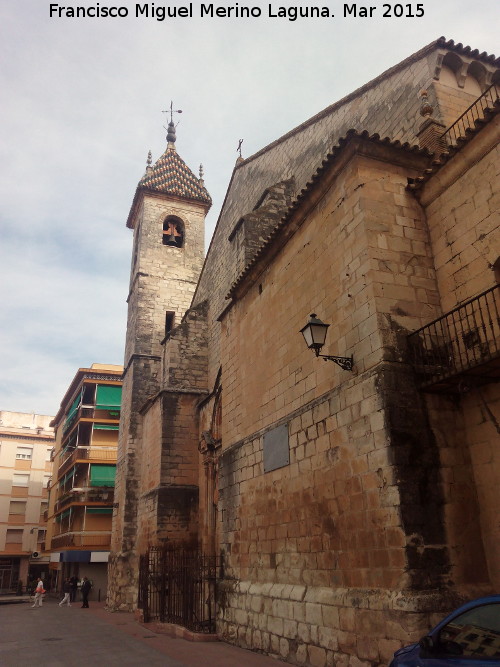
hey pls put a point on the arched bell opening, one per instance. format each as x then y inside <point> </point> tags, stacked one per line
<point>173,232</point>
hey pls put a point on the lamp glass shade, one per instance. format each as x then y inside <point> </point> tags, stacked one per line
<point>315,333</point>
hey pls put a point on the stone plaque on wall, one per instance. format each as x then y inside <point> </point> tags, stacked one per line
<point>276,449</point>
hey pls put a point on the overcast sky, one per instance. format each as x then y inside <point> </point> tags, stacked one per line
<point>81,107</point>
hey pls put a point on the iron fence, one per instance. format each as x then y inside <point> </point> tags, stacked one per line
<point>473,115</point>
<point>464,339</point>
<point>177,585</point>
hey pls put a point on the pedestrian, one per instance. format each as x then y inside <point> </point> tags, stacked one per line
<point>39,591</point>
<point>67,593</point>
<point>74,587</point>
<point>85,589</point>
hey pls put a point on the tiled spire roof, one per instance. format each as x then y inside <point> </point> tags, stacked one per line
<point>171,175</point>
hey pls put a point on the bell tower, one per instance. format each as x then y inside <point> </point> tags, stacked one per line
<point>167,217</point>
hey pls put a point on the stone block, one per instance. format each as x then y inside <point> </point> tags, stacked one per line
<point>317,656</point>
<point>314,613</point>
<point>275,625</point>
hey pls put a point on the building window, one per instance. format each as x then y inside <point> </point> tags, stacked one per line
<point>17,507</point>
<point>49,454</point>
<point>14,536</point>
<point>46,481</point>
<point>25,453</point>
<point>20,480</point>
<point>173,232</point>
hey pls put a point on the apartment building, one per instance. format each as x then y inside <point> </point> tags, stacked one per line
<point>26,443</point>
<point>82,489</point>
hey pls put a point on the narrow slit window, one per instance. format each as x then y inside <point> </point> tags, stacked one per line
<point>169,322</point>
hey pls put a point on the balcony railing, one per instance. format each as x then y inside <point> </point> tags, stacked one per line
<point>83,539</point>
<point>97,453</point>
<point>472,116</point>
<point>462,346</point>
<point>84,496</point>
<point>91,412</point>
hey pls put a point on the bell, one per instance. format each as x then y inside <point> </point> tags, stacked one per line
<point>169,239</point>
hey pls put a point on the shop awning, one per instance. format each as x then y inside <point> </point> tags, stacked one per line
<point>102,475</point>
<point>99,510</point>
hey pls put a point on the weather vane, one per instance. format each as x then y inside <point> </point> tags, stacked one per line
<point>238,150</point>
<point>171,111</point>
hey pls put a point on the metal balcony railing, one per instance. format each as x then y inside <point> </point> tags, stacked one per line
<point>472,116</point>
<point>91,412</point>
<point>84,495</point>
<point>87,453</point>
<point>463,345</point>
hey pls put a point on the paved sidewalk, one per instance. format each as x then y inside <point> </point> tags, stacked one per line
<point>56,636</point>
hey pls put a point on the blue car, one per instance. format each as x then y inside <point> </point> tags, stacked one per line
<point>468,637</point>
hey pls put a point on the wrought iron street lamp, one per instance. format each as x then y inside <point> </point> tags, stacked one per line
<point>314,334</point>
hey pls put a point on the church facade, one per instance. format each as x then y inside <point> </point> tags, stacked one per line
<point>349,506</point>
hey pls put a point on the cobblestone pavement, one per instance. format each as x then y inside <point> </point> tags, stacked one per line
<point>54,636</point>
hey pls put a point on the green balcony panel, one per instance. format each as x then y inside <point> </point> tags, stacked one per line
<point>108,397</point>
<point>73,408</point>
<point>102,475</point>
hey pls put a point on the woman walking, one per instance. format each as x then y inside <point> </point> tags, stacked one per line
<point>67,593</point>
<point>39,591</point>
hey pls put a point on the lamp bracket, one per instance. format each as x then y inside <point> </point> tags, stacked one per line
<point>346,363</point>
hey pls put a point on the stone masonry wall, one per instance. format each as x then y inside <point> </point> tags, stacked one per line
<point>359,506</point>
<point>314,553</point>
<point>390,107</point>
<point>464,218</point>
<point>162,279</point>
<point>462,207</point>
<point>482,420</point>
<point>186,351</point>
<point>366,239</point>
<point>461,503</point>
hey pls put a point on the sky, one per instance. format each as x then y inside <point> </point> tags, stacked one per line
<point>81,106</point>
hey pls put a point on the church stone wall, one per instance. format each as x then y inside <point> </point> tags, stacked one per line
<point>452,101</point>
<point>481,409</point>
<point>365,243</point>
<point>358,507</point>
<point>315,552</point>
<point>390,108</point>
<point>462,208</point>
